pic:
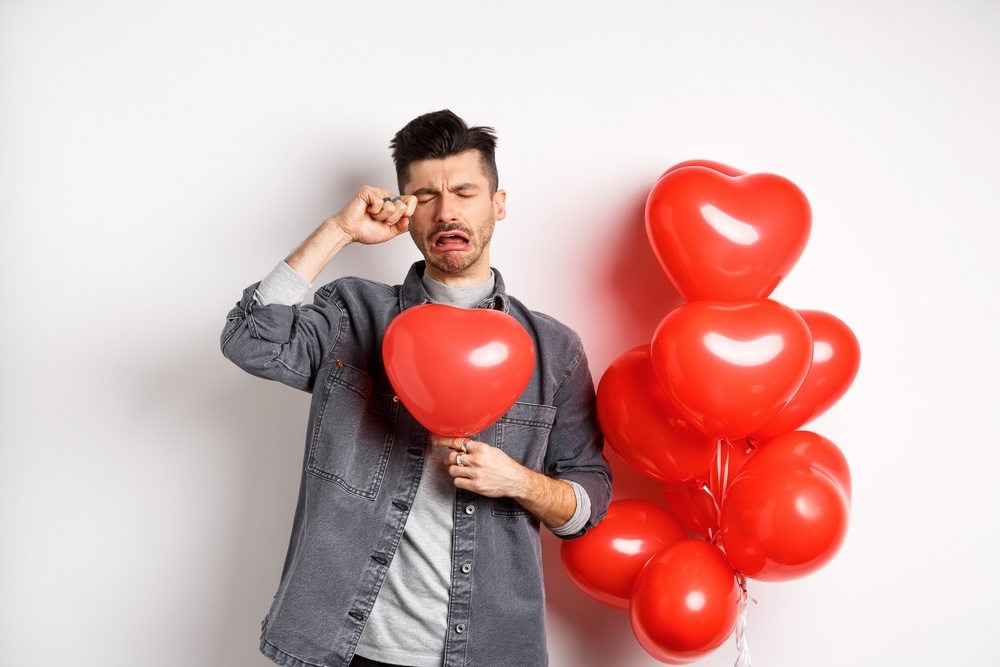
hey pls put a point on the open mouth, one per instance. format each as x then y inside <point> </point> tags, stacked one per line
<point>450,240</point>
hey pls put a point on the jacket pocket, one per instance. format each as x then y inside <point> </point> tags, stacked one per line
<point>353,432</point>
<point>523,434</point>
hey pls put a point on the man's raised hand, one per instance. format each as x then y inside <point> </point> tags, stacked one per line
<point>376,215</point>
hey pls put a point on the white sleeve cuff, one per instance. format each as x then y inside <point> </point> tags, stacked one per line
<point>282,286</point>
<point>580,516</point>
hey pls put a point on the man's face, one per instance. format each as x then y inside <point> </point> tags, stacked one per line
<point>453,222</point>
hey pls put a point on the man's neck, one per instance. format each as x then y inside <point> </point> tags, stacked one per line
<point>465,296</point>
<point>472,276</point>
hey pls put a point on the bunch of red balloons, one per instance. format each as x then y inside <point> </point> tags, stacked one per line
<point>711,408</point>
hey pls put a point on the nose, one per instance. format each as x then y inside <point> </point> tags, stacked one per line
<point>447,208</point>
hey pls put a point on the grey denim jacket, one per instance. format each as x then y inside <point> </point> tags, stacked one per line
<point>363,458</point>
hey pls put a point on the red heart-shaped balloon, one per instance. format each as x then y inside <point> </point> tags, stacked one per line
<point>711,164</point>
<point>726,237</point>
<point>606,560</point>
<point>810,450</point>
<point>731,366</point>
<point>457,370</point>
<point>641,424</point>
<point>835,363</point>
<point>685,602</point>
<point>786,513</point>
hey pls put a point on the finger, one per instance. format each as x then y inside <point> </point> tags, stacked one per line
<point>386,210</point>
<point>394,208</point>
<point>372,196</point>
<point>397,211</point>
<point>459,458</point>
<point>376,200</point>
<point>449,441</point>
<point>459,465</point>
<point>410,202</point>
<point>406,205</point>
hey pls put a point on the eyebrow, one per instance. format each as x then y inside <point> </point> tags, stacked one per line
<point>460,187</point>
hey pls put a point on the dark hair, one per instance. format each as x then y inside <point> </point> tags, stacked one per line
<point>441,134</point>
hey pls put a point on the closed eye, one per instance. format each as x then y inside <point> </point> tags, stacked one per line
<point>465,190</point>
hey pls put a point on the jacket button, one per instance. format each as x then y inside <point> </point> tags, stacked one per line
<point>466,568</point>
<point>470,509</point>
<point>460,628</point>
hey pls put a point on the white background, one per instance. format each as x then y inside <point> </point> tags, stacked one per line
<point>155,158</point>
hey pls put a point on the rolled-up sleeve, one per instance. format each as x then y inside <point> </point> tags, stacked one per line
<point>282,285</point>
<point>575,452</point>
<point>581,515</point>
<point>280,341</point>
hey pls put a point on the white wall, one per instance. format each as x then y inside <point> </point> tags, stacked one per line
<point>157,157</point>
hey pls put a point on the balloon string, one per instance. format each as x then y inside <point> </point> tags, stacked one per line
<point>713,537</point>
<point>742,647</point>
<point>723,470</point>
<point>712,486</point>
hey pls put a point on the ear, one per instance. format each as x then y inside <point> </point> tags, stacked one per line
<point>500,204</point>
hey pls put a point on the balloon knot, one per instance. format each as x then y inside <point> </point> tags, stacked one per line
<point>741,579</point>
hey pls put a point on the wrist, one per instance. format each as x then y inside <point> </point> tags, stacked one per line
<point>531,489</point>
<point>338,236</point>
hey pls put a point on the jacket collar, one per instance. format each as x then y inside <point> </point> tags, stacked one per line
<point>413,293</point>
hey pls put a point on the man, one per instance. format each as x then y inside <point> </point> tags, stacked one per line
<point>408,548</point>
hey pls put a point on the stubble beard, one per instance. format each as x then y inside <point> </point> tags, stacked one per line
<point>454,263</point>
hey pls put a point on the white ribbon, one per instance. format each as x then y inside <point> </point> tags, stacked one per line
<point>742,647</point>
